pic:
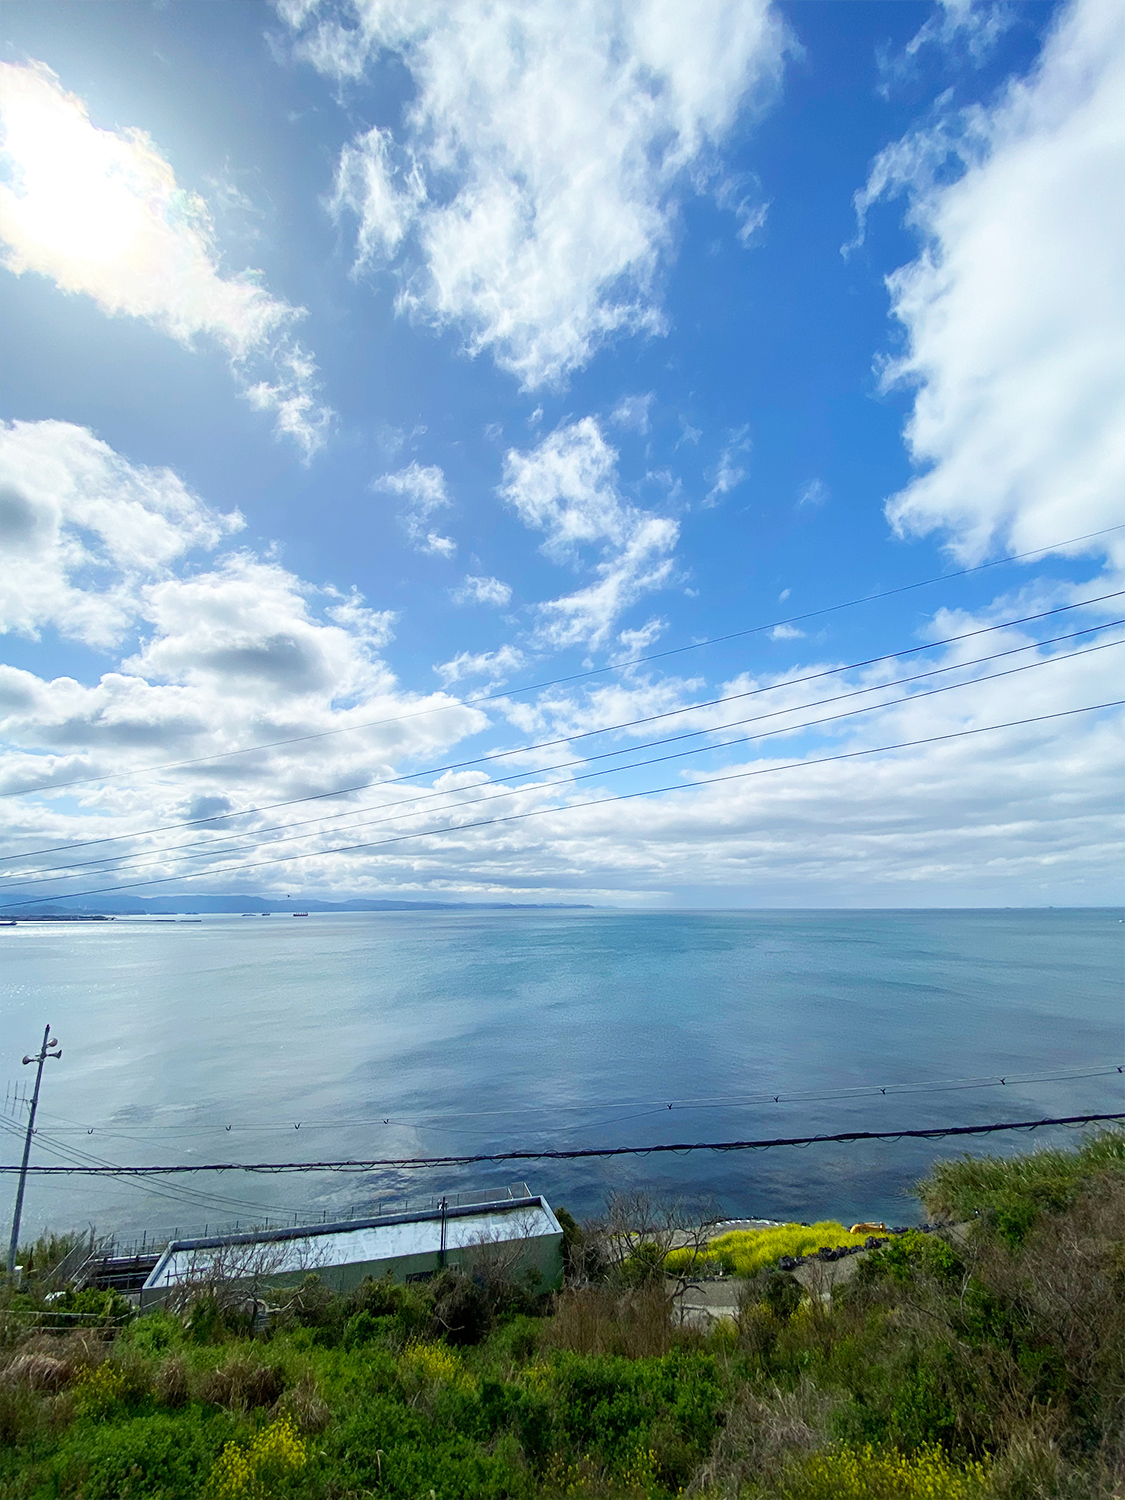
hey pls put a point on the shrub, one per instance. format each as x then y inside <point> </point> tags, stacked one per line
<point>613,1407</point>
<point>573,1240</point>
<point>460,1310</point>
<point>781,1292</point>
<point>518,1339</point>
<point>381,1299</point>
<point>21,1414</point>
<point>205,1323</point>
<point>599,1320</point>
<point>39,1259</point>
<point>644,1264</point>
<point>912,1255</point>
<point>312,1305</point>
<point>1012,1193</point>
<point>89,1308</point>
<point>159,1457</point>
<point>361,1328</point>
<point>155,1333</point>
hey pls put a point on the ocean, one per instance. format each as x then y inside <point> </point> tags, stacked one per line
<point>401,1034</point>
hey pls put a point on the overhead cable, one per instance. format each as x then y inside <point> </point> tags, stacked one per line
<point>586,733</point>
<point>410,1163</point>
<point>187,1197</point>
<point>654,1105</point>
<point>617,666</point>
<point>140,859</point>
<point>676,786</point>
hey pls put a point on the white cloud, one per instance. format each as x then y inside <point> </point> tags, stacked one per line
<point>82,531</point>
<point>635,643</point>
<point>815,492</point>
<point>99,212</point>
<point>1026,814</point>
<point>786,632</point>
<point>974,25</point>
<point>1015,309</point>
<point>566,487</point>
<point>531,193</point>
<point>246,652</point>
<point>424,490</point>
<point>477,590</point>
<point>246,627</point>
<point>239,653</point>
<point>742,197</point>
<point>496,666</point>
<point>728,473</point>
<point>633,412</point>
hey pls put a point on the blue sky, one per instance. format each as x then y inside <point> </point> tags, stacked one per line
<point>360,361</point>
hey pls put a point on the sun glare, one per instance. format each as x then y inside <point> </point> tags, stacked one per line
<point>73,194</point>
<point>100,212</point>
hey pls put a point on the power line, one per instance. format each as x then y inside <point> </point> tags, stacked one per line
<point>139,859</point>
<point>410,1163</point>
<point>676,786</point>
<point>654,1105</point>
<point>187,1197</point>
<point>353,812</point>
<point>586,734</point>
<point>635,661</point>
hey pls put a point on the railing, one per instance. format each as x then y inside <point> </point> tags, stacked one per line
<point>72,1262</point>
<point>154,1243</point>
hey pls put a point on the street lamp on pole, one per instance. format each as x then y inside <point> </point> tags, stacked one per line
<point>40,1058</point>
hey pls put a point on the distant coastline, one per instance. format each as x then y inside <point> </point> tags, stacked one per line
<point>200,904</point>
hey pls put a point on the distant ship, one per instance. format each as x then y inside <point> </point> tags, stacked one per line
<point>300,913</point>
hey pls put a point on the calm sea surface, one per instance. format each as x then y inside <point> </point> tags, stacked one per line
<point>436,1033</point>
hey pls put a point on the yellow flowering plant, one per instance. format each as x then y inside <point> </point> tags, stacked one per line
<point>870,1473</point>
<point>252,1472</point>
<point>744,1251</point>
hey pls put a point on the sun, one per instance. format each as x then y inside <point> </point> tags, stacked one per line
<point>71,194</point>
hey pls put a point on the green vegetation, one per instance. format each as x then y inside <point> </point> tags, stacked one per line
<point>982,1364</point>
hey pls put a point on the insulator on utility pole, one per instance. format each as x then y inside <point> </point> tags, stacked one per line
<point>40,1058</point>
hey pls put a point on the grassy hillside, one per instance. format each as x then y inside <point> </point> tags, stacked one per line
<point>983,1365</point>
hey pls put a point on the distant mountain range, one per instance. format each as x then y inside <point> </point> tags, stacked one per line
<point>197,903</point>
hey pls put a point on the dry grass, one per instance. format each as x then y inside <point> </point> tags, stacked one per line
<point>601,1320</point>
<point>241,1384</point>
<point>305,1407</point>
<point>50,1361</point>
<point>1068,1280</point>
<point>170,1384</point>
<point>760,1436</point>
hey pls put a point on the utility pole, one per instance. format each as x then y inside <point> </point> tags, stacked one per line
<point>40,1058</point>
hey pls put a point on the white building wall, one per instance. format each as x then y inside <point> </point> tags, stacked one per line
<point>401,1246</point>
